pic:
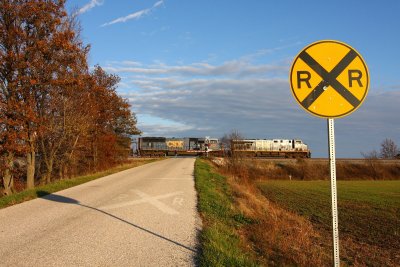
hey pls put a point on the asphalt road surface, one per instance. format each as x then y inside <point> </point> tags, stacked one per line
<point>144,216</point>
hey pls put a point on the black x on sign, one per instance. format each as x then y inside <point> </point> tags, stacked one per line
<point>329,79</point>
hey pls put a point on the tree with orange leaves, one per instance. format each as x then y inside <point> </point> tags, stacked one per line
<point>12,110</point>
<point>113,119</point>
<point>49,102</point>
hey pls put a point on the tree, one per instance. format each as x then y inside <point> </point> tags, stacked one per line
<point>12,109</point>
<point>113,121</point>
<point>43,40</point>
<point>372,155</point>
<point>49,101</point>
<point>227,139</point>
<point>373,163</point>
<point>388,149</point>
<point>35,35</point>
<point>60,106</point>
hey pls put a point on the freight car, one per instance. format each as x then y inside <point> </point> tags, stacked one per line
<point>162,146</point>
<point>282,148</point>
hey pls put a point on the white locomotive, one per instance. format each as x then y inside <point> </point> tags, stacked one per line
<point>286,148</point>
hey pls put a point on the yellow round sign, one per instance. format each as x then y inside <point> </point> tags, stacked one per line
<point>329,79</point>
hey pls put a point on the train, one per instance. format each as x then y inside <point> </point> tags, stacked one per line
<point>187,146</point>
<point>275,148</point>
<point>206,146</point>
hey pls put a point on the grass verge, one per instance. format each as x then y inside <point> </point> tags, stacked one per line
<point>64,184</point>
<point>220,241</point>
<point>279,237</point>
<point>369,215</point>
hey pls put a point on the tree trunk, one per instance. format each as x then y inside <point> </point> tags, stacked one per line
<point>8,182</point>
<point>95,156</point>
<point>61,170</point>
<point>30,164</point>
<point>47,176</point>
<point>48,159</point>
<point>30,169</point>
<point>8,178</point>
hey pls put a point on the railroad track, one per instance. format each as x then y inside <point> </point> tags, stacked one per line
<point>338,160</point>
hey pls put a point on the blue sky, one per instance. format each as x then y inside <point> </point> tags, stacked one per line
<point>197,68</point>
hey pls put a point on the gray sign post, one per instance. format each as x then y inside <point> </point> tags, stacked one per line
<point>332,164</point>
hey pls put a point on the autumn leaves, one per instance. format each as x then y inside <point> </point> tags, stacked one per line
<point>62,118</point>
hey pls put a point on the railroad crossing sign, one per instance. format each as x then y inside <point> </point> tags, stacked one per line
<point>329,79</point>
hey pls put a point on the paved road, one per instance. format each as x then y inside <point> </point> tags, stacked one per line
<point>145,216</point>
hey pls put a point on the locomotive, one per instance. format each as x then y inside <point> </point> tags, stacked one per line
<point>162,146</point>
<point>282,148</point>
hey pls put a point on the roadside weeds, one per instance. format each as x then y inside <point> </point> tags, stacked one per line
<point>243,228</point>
<point>280,237</point>
<point>285,236</point>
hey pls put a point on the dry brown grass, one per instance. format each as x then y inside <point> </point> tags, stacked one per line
<point>278,237</point>
<point>303,169</point>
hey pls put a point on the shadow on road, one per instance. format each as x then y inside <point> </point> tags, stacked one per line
<point>57,198</point>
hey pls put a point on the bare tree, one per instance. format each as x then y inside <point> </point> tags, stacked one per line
<point>370,155</point>
<point>388,149</point>
<point>227,138</point>
<point>372,163</point>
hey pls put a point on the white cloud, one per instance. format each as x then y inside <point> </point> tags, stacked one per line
<point>159,3</point>
<point>235,67</point>
<point>89,6</point>
<point>136,15</point>
<point>202,99</point>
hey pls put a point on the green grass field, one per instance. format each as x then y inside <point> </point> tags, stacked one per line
<point>369,211</point>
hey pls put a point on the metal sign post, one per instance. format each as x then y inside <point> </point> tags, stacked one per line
<point>332,162</point>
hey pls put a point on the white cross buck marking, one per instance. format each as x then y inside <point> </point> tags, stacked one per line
<point>145,198</point>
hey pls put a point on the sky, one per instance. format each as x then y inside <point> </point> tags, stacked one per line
<point>206,68</point>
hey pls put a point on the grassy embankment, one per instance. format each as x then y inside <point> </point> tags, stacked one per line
<point>59,185</point>
<point>220,241</point>
<point>241,228</point>
<point>291,220</point>
<point>369,215</point>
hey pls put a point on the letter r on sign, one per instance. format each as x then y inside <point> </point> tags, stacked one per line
<point>303,76</point>
<point>355,75</point>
